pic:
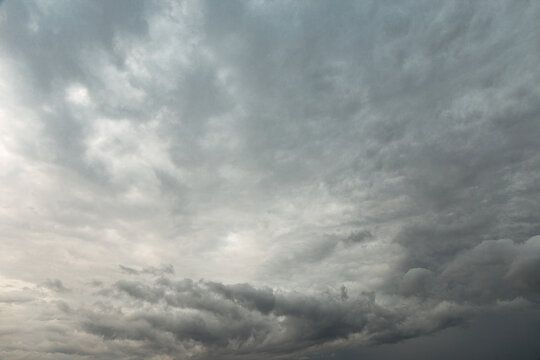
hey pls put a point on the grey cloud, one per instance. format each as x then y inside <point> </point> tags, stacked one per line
<point>494,270</point>
<point>96,283</point>
<point>162,270</point>
<point>492,336</point>
<point>137,290</point>
<point>344,294</point>
<point>64,307</point>
<point>55,285</point>
<point>249,297</point>
<point>128,270</point>
<point>56,45</point>
<point>359,237</point>
<point>416,282</point>
<point>363,172</point>
<point>240,319</point>
<point>15,298</point>
<point>53,40</point>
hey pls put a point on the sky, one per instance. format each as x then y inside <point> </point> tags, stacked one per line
<point>269,179</point>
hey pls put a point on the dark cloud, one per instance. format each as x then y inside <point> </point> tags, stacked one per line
<point>359,237</point>
<point>241,319</point>
<point>224,320</point>
<point>162,270</point>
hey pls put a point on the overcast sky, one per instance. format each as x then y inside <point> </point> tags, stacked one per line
<point>269,179</point>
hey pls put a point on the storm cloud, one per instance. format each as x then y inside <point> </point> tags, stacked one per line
<point>267,179</point>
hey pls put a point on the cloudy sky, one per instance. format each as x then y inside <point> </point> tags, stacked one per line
<point>269,179</point>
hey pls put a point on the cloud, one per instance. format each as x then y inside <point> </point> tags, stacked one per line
<point>340,174</point>
<point>55,285</point>
<point>205,319</point>
<point>496,269</point>
<point>162,270</point>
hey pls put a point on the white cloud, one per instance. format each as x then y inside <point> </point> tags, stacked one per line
<point>78,95</point>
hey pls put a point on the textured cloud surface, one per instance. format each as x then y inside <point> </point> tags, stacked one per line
<point>267,179</point>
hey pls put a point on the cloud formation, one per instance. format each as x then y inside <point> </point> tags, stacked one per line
<point>263,179</point>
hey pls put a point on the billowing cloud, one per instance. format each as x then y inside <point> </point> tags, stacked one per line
<point>328,175</point>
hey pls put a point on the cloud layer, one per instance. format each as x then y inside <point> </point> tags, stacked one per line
<point>263,179</point>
